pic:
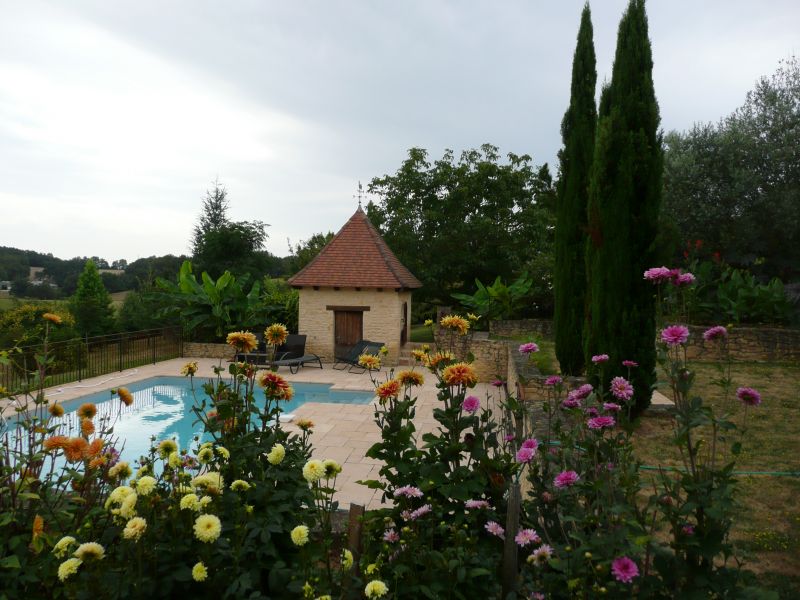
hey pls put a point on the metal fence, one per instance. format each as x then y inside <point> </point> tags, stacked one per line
<point>81,358</point>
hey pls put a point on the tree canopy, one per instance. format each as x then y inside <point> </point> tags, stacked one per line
<point>91,304</point>
<point>453,221</point>
<point>736,184</point>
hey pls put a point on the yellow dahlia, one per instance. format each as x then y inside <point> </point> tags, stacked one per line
<point>276,455</point>
<point>134,529</point>
<point>189,368</point>
<point>199,572</point>
<point>68,568</point>
<point>122,470</point>
<point>460,374</point>
<point>313,470</point>
<point>207,528</point>
<point>63,545</point>
<point>375,589</point>
<point>240,485</point>
<point>90,551</point>
<point>369,362</point>
<point>410,378</point>
<point>332,468</point>
<point>456,323</point>
<point>276,334</point>
<point>243,341</point>
<point>211,481</point>
<point>127,509</point>
<point>347,560</point>
<point>300,535</point>
<point>305,424</point>
<point>433,361</point>
<point>145,485</point>
<point>190,502</point>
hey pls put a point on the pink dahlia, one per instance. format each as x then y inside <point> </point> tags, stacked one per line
<point>524,455</point>
<point>591,411</point>
<point>611,407</point>
<point>565,479</point>
<point>495,529</point>
<point>571,402</point>
<point>474,504</point>
<point>528,348</point>
<point>682,279</point>
<point>621,388</point>
<point>527,536</point>
<point>541,555</point>
<point>391,536</point>
<point>630,363</point>
<point>601,422</point>
<point>624,569</point>
<point>553,380</point>
<point>509,437</point>
<point>675,335</point>
<point>408,491</point>
<point>658,274</point>
<point>531,443</point>
<point>599,359</point>
<point>582,392</point>
<point>498,383</point>
<point>748,396</point>
<point>715,333</point>
<point>688,529</point>
<point>471,404</point>
<point>421,511</point>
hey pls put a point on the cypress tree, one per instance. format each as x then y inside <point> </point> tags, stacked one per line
<point>622,217</point>
<point>577,132</point>
<point>91,304</point>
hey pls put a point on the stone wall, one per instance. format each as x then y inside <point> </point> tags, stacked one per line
<point>522,327</point>
<point>382,322</point>
<point>197,350</point>
<point>744,343</point>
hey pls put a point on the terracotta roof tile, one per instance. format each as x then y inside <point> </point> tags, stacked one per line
<point>357,256</point>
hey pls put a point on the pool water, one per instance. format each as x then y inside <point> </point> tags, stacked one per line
<point>162,407</point>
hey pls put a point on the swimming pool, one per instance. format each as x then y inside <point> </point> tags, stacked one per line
<point>162,407</point>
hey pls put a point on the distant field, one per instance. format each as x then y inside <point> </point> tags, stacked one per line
<point>117,298</point>
<point>7,302</point>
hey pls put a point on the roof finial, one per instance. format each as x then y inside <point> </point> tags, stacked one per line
<point>360,194</point>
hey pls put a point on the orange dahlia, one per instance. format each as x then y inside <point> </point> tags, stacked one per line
<point>56,410</point>
<point>95,448</point>
<point>57,442</point>
<point>389,389</point>
<point>87,411</point>
<point>38,526</point>
<point>432,361</point>
<point>87,427</point>
<point>460,374</point>
<point>243,341</point>
<point>370,362</point>
<point>52,317</point>
<point>75,449</point>
<point>98,461</point>
<point>275,386</point>
<point>125,396</point>
<point>410,378</point>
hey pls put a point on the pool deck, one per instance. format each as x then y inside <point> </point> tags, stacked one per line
<point>342,432</point>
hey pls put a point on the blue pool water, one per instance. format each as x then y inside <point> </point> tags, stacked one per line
<point>162,407</point>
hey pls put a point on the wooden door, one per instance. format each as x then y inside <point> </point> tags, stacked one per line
<point>347,330</point>
<point>404,322</point>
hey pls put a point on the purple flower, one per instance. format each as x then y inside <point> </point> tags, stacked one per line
<point>565,479</point>
<point>611,407</point>
<point>524,455</point>
<point>682,279</point>
<point>601,422</point>
<point>408,491</point>
<point>528,348</point>
<point>531,443</point>
<point>553,380</point>
<point>675,335</point>
<point>527,536</point>
<point>541,555</point>
<point>624,569</point>
<point>498,383</point>
<point>571,402</point>
<point>629,363</point>
<point>471,404</point>
<point>421,511</point>
<point>748,396</point>
<point>658,274</point>
<point>391,536</point>
<point>495,529</point>
<point>688,529</point>
<point>474,504</point>
<point>599,359</point>
<point>715,333</point>
<point>582,392</point>
<point>509,437</point>
<point>591,411</point>
<point>621,388</point>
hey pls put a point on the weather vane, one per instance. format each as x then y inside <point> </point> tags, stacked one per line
<point>360,194</point>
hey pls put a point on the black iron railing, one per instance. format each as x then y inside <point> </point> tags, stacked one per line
<point>81,358</point>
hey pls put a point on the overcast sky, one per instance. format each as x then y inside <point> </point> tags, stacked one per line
<point>115,117</point>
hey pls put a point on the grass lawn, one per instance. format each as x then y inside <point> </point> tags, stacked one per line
<point>421,334</point>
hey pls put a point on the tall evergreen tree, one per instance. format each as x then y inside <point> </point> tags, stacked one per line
<point>624,199</point>
<point>91,304</point>
<point>577,132</point>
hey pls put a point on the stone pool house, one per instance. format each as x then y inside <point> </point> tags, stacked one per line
<point>355,289</point>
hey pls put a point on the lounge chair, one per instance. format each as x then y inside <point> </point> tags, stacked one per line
<point>292,354</point>
<point>351,358</point>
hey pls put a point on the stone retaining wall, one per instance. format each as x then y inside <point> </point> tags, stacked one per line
<point>744,343</point>
<point>198,350</point>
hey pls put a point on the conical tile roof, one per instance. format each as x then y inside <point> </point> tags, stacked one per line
<point>357,256</point>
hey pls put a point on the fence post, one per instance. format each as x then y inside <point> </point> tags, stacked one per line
<point>354,532</point>
<point>152,340</point>
<point>120,353</point>
<point>510,556</point>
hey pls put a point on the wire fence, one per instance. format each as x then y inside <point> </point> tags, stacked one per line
<point>82,358</point>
